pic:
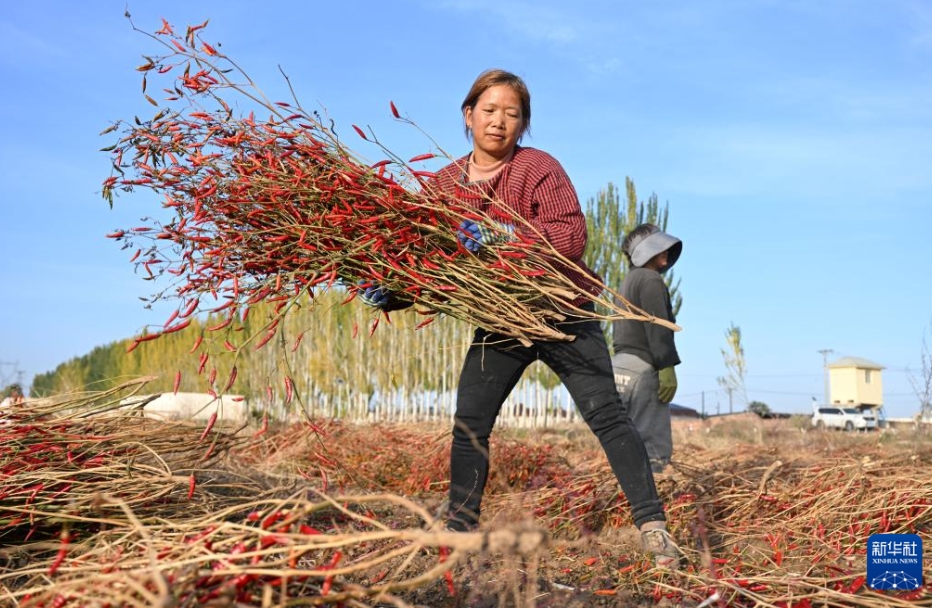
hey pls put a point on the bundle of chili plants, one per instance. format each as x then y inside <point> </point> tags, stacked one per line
<point>294,551</point>
<point>117,519</point>
<point>272,209</point>
<point>57,467</point>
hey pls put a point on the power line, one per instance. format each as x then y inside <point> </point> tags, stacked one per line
<point>16,371</point>
<point>825,352</point>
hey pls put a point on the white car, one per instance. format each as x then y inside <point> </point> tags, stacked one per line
<point>847,418</point>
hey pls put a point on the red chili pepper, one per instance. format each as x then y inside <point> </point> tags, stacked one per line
<point>270,519</point>
<point>202,363</point>
<point>62,552</point>
<point>177,326</point>
<point>421,157</point>
<point>328,580</point>
<point>361,132</point>
<point>375,324</point>
<point>391,104</point>
<point>191,484</point>
<point>448,575</point>
<point>231,379</point>
<point>264,428</point>
<point>265,339</point>
<point>220,326</point>
<point>177,382</point>
<point>210,425</point>
<point>197,343</point>
<point>425,323</point>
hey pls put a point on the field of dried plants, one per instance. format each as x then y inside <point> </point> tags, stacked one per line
<point>102,507</point>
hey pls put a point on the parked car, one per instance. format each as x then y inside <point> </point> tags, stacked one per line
<point>847,418</point>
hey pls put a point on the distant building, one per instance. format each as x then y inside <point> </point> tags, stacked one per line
<point>681,411</point>
<point>190,406</point>
<point>856,382</point>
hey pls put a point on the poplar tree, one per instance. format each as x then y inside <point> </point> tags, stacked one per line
<point>735,365</point>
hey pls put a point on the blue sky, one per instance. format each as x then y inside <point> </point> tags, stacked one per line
<point>792,141</point>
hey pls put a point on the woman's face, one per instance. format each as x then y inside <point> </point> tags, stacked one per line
<point>496,123</point>
<point>659,262</point>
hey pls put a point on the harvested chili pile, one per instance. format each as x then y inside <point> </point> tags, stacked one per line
<point>786,523</point>
<point>99,508</point>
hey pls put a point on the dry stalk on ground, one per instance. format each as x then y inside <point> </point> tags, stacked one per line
<point>783,525</point>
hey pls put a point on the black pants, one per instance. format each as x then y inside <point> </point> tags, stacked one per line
<point>494,365</point>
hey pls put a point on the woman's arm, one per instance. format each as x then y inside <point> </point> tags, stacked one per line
<point>555,211</point>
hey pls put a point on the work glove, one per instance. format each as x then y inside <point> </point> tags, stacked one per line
<point>374,295</point>
<point>377,296</point>
<point>474,235</point>
<point>667,384</point>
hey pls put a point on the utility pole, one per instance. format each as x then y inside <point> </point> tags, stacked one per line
<point>5,378</point>
<point>825,352</point>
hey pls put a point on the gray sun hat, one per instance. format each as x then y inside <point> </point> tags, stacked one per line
<point>646,247</point>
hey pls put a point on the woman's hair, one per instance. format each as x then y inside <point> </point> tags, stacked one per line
<point>494,77</point>
<point>636,235</point>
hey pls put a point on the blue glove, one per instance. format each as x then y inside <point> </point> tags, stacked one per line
<point>374,296</point>
<point>377,296</point>
<point>474,235</point>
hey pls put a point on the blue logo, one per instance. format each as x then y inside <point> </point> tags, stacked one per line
<point>894,562</point>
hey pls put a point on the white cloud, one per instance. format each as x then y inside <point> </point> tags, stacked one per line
<point>533,21</point>
<point>578,32</point>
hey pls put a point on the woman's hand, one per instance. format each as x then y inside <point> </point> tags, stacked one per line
<point>374,296</point>
<point>474,235</point>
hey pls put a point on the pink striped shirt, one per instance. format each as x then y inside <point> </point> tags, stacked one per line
<point>533,185</point>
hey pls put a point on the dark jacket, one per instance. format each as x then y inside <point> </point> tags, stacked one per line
<point>649,342</point>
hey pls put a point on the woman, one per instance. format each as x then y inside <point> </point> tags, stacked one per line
<point>533,185</point>
<point>645,353</point>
